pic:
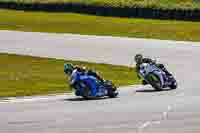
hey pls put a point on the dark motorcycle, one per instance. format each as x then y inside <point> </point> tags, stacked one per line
<point>154,76</point>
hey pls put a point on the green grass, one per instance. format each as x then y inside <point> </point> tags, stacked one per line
<point>98,25</point>
<point>163,4</point>
<point>25,75</point>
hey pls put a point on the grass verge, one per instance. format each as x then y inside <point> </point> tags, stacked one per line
<point>25,75</point>
<point>97,25</point>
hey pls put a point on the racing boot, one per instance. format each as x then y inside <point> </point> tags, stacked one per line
<point>101,92</point>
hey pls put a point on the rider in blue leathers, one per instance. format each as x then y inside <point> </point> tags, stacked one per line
<point>69,68</point>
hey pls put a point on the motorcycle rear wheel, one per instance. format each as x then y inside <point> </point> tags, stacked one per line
<point>112,92</point>
<point>173,85</point>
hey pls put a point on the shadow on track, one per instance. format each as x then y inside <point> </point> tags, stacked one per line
<point>153,90</point>
<point>83,99</point>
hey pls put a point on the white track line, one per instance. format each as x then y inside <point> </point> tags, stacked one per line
<point>130,88</point>
<point>35,98</point>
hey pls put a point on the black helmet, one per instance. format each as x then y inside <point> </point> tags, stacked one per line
<point>138,58</point>
<point>68,68</point>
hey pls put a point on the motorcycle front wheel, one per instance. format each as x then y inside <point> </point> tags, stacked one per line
<point>154,81</point>
<point>86,91</point>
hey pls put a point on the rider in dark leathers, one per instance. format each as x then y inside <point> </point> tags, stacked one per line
<point>139,60</point>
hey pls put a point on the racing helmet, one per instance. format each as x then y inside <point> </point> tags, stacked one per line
<point>68,68</point>
<point>138,58</point>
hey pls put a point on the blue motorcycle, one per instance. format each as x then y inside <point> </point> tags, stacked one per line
<point>88,86</point>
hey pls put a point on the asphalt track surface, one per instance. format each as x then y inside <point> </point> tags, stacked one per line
<point>138,109</point>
